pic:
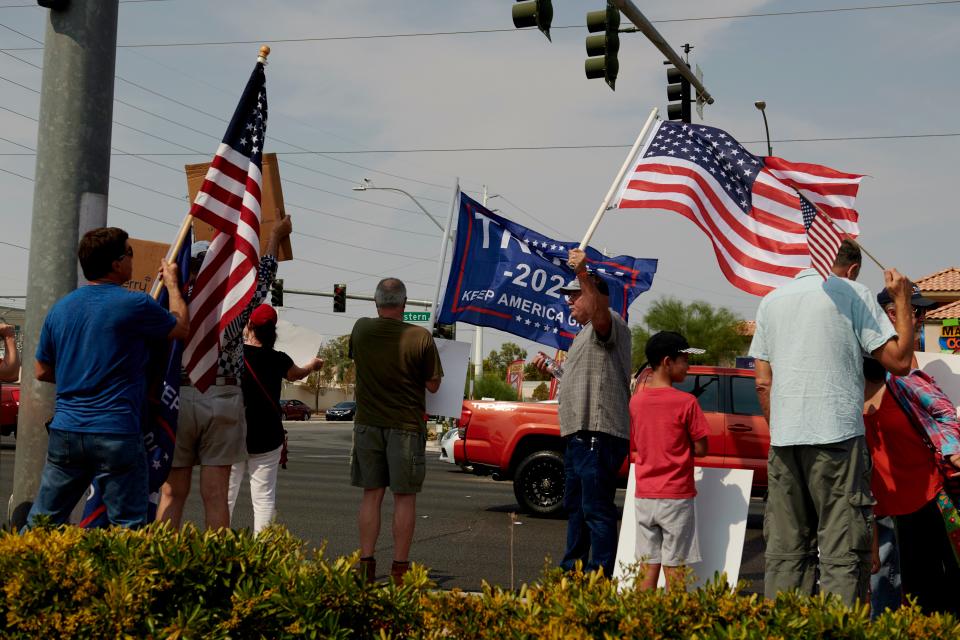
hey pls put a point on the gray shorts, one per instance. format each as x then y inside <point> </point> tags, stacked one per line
<point>393,458</point>
<point>667,531</point>
<point>212,429</point>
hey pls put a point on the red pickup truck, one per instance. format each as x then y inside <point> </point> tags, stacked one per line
<point>520,441</point>
<point>9,408</point>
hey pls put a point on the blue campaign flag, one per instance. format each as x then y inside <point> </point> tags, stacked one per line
<point>508,277</point>
<point>161,414</point>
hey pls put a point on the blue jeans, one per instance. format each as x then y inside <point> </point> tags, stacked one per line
<point>591,463</point>
<point>885,590</point>
<point>117,461</point>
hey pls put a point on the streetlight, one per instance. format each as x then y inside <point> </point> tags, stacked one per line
<point>761,105</point>
<point>367,185</point>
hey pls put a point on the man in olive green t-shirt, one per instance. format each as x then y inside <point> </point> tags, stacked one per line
<point>395,363</point>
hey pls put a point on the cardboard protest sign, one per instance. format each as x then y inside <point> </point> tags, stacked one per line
<point>271,205</point>
<point>146,264</point>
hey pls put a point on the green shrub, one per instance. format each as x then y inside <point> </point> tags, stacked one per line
<point>490,387</point>
<point>161,583</point>
<point>542,392</point>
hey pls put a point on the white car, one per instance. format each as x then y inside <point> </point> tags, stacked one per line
<point>447,443</point>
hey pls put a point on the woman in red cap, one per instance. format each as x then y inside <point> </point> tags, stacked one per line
<point>265,369</point>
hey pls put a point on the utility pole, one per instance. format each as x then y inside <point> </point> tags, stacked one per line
<point>69,198</point>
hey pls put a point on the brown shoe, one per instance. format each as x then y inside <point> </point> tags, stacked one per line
<point>367,568</point>
<point>398,569</point>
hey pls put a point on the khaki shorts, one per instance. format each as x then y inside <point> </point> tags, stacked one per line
<point>667,531</point>
<point>393,458</point>
<point>212,430</point>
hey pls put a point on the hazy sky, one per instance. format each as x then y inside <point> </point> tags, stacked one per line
<point>824,75</point>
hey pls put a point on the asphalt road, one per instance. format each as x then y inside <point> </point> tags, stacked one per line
<point>466,531</point>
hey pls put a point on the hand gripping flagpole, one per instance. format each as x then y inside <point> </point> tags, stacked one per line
<point>188,221</point>
<point>619,179</point>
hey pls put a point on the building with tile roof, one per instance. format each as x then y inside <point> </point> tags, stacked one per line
<point>944,287</point>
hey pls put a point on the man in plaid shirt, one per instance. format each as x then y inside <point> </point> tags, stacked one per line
<point>594,419</point>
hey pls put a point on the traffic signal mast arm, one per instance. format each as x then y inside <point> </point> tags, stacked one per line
<point>424,304</point>
<point>637,18</point>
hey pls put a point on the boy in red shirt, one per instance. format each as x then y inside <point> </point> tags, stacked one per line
<point>667,429</point>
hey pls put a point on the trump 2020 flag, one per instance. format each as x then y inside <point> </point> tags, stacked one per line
<point>749,206</point>
<point>507,277</point>
<point>160,415</point>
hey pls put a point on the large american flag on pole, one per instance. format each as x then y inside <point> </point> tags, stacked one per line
<point>229,200</point>
<point>747,205</point>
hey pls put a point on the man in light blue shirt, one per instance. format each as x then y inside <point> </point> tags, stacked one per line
<point>809,344</point>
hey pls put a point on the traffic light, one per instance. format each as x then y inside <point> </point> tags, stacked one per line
<point>446,331</point>
<point>339,298</point>
<point>276,293</point>
<point>678,93</point>
<point>603,47</point>
<point>533,13</point>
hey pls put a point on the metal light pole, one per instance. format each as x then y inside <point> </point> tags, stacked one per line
<point>762,106</point>
<point>367,185</point>
<point>70,198</point>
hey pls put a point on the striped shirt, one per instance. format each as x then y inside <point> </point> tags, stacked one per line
<point>595,393</point>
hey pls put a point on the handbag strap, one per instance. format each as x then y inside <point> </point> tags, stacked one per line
<point>262,388</point>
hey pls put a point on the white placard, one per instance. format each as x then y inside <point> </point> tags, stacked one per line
<point>722,503</point>
<point>945,369</point>
<point>300,343</point>
<point>448,400</point>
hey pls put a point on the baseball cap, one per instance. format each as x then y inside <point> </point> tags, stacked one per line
<point>668,344</point>
<point>264,314</point>
<point>916,299</point>
<point>574,285</point>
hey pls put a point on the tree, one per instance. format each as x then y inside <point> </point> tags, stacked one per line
<point>542,392</point>
<point>530,372</point>
<point>338,368</point>
<point>496,363</point>
<point>702,324</point>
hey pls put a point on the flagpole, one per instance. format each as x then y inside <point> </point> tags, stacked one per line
<point>617,181</point>
<point>172,253</point>
<point>454,206</point>
<point>845,234</point>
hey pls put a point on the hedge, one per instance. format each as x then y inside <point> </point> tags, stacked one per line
<point>161,583</point>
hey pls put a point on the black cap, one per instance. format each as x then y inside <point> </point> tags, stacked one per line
<point>917,299</point>
<point>574,285</point>
<point>668,344</point>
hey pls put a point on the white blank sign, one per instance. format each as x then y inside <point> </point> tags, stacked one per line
<point>722,502</point>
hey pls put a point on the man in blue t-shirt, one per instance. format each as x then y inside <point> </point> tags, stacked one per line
<point>94,345</point>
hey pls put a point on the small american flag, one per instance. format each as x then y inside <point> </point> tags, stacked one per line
<point>747,205</point>
<point>823,238</point>
<point>228,200</point>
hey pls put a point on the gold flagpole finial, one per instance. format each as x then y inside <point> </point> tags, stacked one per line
<point>264,52</point>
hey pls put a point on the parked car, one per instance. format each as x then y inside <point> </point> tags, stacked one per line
<point>294,410</point>
<point>9,408</point>
<point>520,441</point>
<point>345,410</point>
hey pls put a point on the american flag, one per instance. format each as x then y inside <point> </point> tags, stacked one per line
<point>823,238</point>
<point>747,205</point>
<point>228,200</point>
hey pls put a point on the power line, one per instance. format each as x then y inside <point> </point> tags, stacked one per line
<point>210,115</point>
<point>427,34</point>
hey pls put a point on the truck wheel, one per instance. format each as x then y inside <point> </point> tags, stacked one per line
<point>538,482</point>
